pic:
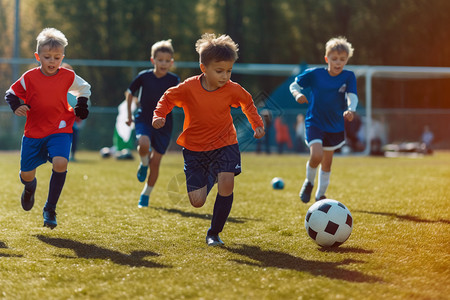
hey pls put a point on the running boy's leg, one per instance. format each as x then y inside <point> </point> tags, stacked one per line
<point>222,206</point>
<point>144,151</point>
<point>316,154</point>
<point>30,183</point>
<point>58,147</point>
<point>32,155</point>
<point>324,174</point>
<point>155,162</point>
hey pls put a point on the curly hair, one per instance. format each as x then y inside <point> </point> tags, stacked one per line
<point>216,48</point>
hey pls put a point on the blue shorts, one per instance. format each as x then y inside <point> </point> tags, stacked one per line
<point>330,140</point>
<point>35,152</point>
<point>159,138</point>
<point>203,165</point>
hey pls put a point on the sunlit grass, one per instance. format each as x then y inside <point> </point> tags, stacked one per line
<point>105,247</point>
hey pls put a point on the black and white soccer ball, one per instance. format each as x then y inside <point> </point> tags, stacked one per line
<point>329,223</point>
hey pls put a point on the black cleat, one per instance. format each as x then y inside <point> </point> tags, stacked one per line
<point>321,198</point>
<point>305,192</point>
<point>27,199</point>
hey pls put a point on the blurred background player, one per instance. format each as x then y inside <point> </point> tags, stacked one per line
<point>48,128</point>
<point>282,135</point>
<point>333,98</point>
<point>152,142</point>
<point>211,151</point>
<point>300,136</point>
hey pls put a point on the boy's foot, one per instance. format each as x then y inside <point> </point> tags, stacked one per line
<point>214,240</point>
<point>305,192</point>
<point>143,201</point>
<point>142,173</point>
<point>321,198</point>
<point>49,218</point>
<point>27,199</point>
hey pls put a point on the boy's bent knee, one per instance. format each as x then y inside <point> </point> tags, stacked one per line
<point>196,202</point>
<point>197,197</point>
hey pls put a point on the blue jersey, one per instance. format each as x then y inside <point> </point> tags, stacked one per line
<point>327,101</point>
<point>152,89</point>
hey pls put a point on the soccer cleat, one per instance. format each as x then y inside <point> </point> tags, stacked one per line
<point>143,201</point>
<point>27,199</point>
<point>321,198</point>
<point>49,218</point>
<point>305,192</point>
<point>214,240</point>
<point>142,173</point>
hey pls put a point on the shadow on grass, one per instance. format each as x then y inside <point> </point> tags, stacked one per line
<point>404,217</point>
<point>276,259</point>
<point>203,216</point>
<point>342,249</point>
<point>89,251</point>
<point>3,246</point>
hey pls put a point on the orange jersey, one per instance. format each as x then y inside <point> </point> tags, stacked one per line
<point>208,124</point>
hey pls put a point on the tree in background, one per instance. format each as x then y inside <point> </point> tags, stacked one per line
<point>383,32</point>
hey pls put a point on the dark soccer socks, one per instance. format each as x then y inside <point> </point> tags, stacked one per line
<point>222,209</point>
<point>54,191</point>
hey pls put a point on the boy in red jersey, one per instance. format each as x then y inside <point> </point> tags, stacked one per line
<point>210,147</point>
<point>40,95</point>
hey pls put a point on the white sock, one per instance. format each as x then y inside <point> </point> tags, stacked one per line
<point>147,190</point>
<point>324,181</point>
<point>310,173</point>
<point>144,160</point>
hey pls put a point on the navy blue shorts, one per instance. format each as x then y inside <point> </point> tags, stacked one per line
<point>199,166</point>
<point>159,138</point>
<point>35,152</point>
<point>330,140</point>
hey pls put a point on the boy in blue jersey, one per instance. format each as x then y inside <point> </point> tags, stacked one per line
<point>152,143</point>
<point>333,97</point>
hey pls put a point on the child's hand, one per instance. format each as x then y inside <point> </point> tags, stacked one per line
<point>259,132</point>
<point>348,114</point>
<point>158,122</point>
<point>129,121</point>
<point>21,111</point>
<point>302,99</point>
<point>81,109</point>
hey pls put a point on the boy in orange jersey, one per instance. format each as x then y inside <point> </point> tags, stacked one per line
<point>40,95</point>
<point>210,147</point>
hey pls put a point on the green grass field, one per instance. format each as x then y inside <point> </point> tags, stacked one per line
<point>105,247</point>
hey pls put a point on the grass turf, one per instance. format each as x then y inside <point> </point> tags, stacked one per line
<point>105,247</point>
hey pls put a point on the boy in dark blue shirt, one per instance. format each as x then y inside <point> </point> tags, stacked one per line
<point>152,143</point>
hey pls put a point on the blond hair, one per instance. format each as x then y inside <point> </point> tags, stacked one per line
<point>221,48</point>
<point>162,46</point>
<point>339,44</point>
<point>51,37</point>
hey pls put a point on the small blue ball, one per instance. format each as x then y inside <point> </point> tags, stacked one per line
<point>277,183</point>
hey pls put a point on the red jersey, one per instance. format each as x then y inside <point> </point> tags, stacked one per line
<point>208,124</point>
<point>49,112</point>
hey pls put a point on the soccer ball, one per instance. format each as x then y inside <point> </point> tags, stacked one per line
<point>329,223</point>
<point>277,183</point>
